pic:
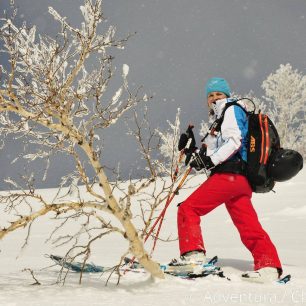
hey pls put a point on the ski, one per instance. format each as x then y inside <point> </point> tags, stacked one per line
<point>88,268</point>
<point>77,266</point>
<point>283,280</point>
<point>207,269</point>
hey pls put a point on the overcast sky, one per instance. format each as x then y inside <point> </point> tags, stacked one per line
<point>180,44</point>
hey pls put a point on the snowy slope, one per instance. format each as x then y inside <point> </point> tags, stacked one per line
<point>282,214</point>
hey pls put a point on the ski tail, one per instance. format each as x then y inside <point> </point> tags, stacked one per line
<point>76,266</point>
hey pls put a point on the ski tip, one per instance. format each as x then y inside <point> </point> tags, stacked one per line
<point>284,279</point>
<point>56,258</point>
<point>214,260</point>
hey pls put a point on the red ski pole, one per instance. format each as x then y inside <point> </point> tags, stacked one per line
<point>162,215</point>
<point>174,177</point>
<point>189,142</point>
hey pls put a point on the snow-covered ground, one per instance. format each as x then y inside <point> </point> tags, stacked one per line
<point>282,214</point>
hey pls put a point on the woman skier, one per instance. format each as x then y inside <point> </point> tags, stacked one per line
<point>225,155</point>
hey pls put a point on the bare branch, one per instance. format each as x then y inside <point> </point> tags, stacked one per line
<point>54,100</point>
<point>33,276</point>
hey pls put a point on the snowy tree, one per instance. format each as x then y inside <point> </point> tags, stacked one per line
<point>285,93</point>
<point>51,96</point>
<point>168,146</point>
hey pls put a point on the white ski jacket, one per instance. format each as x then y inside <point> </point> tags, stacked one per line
<point>232,139</point>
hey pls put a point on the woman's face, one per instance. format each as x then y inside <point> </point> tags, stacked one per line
<point>214,96</point>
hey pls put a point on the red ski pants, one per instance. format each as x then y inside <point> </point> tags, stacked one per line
<point>235,191</point>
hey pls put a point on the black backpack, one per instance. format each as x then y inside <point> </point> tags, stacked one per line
<point>267,162</point>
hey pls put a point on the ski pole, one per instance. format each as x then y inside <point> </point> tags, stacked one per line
<point>169,199</point>
<point>171,196</point>
<point>162,215</point>
<point>183,147</point>
<point>189,142</point>
<point>174,177</point>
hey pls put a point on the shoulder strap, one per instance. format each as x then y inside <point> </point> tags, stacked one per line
<point>227,105</point>
<point>216,125</point>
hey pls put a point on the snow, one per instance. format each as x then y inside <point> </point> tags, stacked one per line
<point>282,214</point>
<point>125,70</point>
<point>54,13</point>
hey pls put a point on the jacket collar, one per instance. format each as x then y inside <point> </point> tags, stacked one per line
<point>218,106</point>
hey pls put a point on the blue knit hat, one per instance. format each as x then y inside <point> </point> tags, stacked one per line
<point>217,84</point>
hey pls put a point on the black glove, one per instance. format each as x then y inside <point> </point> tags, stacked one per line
<point>185,138</point>
<point>182,141</point>
<point>201,161</point>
